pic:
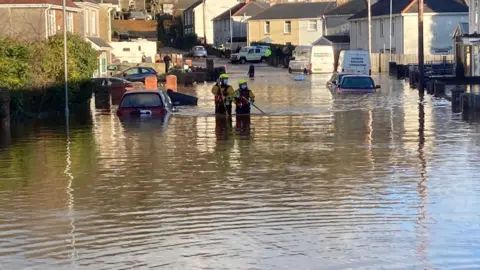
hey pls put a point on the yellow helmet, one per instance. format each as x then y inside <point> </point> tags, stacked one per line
<point>224,76</point>
<point>242,81</point>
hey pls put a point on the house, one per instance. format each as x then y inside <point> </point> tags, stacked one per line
<point>37,19</point>
<point>440,19</point>
<point>336,20</point>
<point>194,21</point>
<point>295,23</point>
<point>240,13</point>
<point>467,43</point>
<point>90,30</point>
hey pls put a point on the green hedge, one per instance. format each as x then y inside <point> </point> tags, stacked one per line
<point>34,74</point>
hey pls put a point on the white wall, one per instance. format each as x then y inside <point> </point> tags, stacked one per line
<point>212,10</point>
<point>307,36</point>
<point>438,32</point>
<point>474,16</point>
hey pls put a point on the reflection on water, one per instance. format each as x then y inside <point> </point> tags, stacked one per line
<point>360,182</point>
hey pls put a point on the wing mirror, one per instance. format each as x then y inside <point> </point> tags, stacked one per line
<point>377,86</point>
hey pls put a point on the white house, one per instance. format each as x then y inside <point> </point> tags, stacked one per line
<point>194,21</point>
<point>240,13</point>
<point>440,20</point>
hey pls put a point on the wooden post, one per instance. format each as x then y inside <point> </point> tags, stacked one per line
<point>4,109</point>
<point>204,25</point>
<point>421,68</point>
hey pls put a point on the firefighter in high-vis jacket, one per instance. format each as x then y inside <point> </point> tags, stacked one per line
<point>223,93</point>
<point>244,97</point>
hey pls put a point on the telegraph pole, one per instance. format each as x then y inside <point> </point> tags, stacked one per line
<point>391,21</point>
<point>369,30</point>
<point>421,68</point>
<point>204,25</point>
<point>65,56</point>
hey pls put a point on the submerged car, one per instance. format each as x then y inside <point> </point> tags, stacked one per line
<point>199,51</point>
<point>137,74</point>
<point>145,103</point>
<point>335,80</point>
<point>361,84</point>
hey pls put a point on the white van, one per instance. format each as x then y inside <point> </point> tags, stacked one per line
<point>354,62</point>
<point>316,59</point>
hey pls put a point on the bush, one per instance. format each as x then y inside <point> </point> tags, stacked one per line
<point>34,74</point>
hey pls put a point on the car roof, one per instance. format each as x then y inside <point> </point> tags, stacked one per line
<point>357,76</point>
<point>131,92</point>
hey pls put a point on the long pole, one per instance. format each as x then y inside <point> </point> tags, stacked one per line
<point>369,30</point>
<point>204,25</point>
<point>231,34</point>
<point>421,68</point>
<point>391,34</point>
<point>65,55</point>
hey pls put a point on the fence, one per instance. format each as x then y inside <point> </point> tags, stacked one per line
<point>380,60</point>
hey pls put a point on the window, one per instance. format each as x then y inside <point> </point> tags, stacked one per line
<point>103,64</point>
<point>312,25</point>
<point>94,23</point>
<point>132,71</point>
<point>287,27</point>
<point>87,23</point>
<point>52,23</point>
<point>70,21</point>
<point>381,27</point>
<point>126,49</point>
<point>139,48</point>
<point>393,27</point>
<point>141,100</point>
<point>257,50</point>
<point>251,51</point>
<point>267,28</point>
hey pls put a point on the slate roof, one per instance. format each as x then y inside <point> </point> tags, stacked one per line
<point>349,8</point>
<point>295,11</point>
<point>327,40</point>
<point>382,7</point>
<point>69,3</point>
<point>194,5</point>
<point>249,9</point>
<point>99,42</point>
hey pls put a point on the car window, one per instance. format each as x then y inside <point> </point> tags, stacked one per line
<point>131,71</point>
<point>141,100</point>
<point>251,51</point>
<point>166,100</point>
<point>357,82</point>
<point>244,50</point>
<point>112,67</point>
<point>334,77</point>
<point>257,50</point>
<point>146,70</point>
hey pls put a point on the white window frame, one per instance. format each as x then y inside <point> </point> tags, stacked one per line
<point>52,22</point>
<point>94,23</point>
<point>393,27</point>
<point>382,33</point>
<point>87,23</point>
<point>266,28</point>
<point>285,23</point>
<point>70,22</point>
<point>311,23</point>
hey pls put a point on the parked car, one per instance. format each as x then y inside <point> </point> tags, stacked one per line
<point>137,15</point>
<point>115,69</point>
<point>361,84</point>
<point>335,80</point>
<point>145,103</point>
<point>198,51</point>
<point>250,54</point>
<point>137,74</point>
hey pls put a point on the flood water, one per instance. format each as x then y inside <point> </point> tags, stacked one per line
<point>320,182</point>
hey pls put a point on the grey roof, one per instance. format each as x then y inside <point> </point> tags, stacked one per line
<point>113,2</point>
<point>185,4</point>
<point>348,8</point>
<point>99,42</point>
<point>249,9</point>
<point>382,7</point>
<point>328,40</point>
<point>295,11</point>
<point>194,4</point>
<point>461,29</point>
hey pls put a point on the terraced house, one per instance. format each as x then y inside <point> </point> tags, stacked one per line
<point>295,23</point>
<point>37,19</point>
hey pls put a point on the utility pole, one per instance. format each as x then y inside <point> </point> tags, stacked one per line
<point>369,30</point>
<point>231,33</point>
<point>204,25</point>
<point>421,68</point>
<point>391,35</point>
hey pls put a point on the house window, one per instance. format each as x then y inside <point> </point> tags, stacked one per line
<point>70,21</point>
<point>287,27</point>
<point>267,27</point>
<point>312,25</point>
<point>126,49</point>
<point>381,27</point>
<point>52,23</point>
<point>87,23</point>
<point>393,27</point>
<point>94,23</point>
